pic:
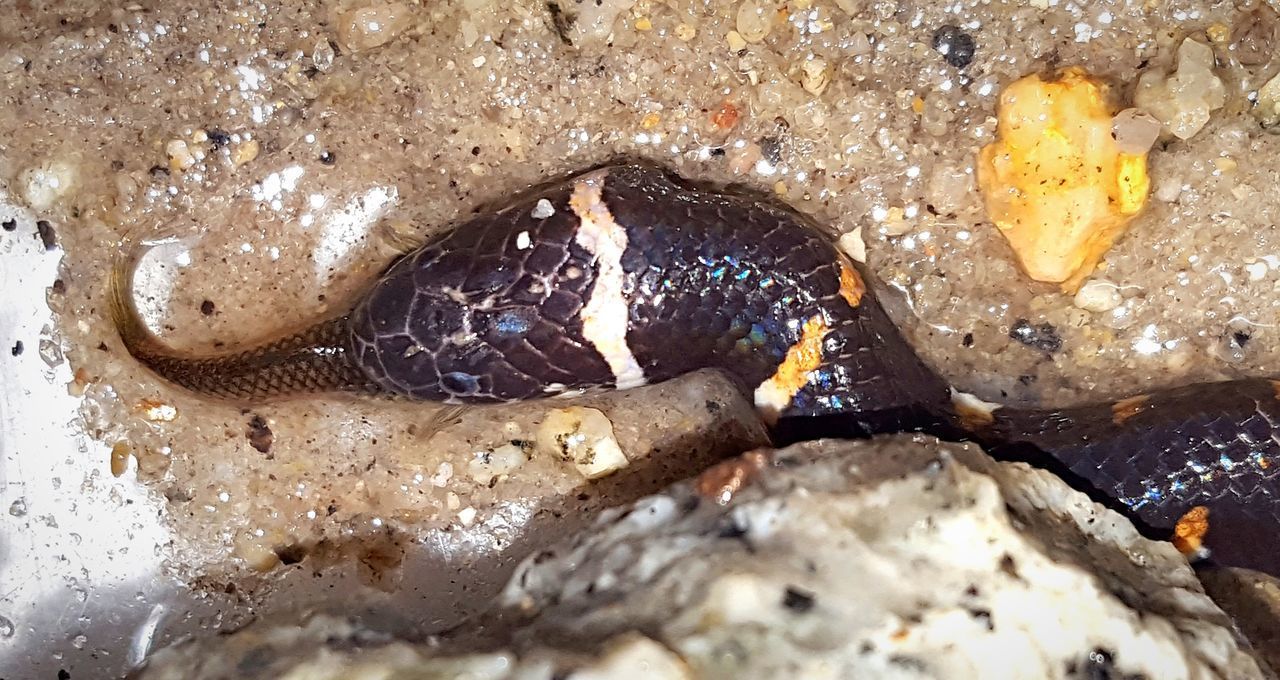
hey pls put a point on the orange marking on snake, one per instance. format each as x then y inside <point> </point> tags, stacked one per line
<point>1189,532</point>
<point>773,395</point>
<point>852,287</point>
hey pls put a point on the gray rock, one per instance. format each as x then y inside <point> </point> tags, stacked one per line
<point>901,557</point>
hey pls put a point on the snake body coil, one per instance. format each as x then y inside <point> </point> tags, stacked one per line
<point>624,275</point>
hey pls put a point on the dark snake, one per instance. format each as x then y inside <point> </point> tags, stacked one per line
<point>627,275</point>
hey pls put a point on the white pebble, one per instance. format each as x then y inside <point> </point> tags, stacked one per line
<point>585,437</point>
<point>180,157</point>
<point>372,26</point>
<point>1257,270</point>
<point>754,21</point>
<point>853,245</point>
<point>504,460</point>
<point>542,210</point>
<point>1098,295</point>
<point>1135,131</point>
<point>1168,189</point>
<point>1268,106</point>
<point>467,515</point>
<point>595,20</point>
<point>43,185</point>
<point>814,75</point>
<point>442,475</point>
<point>1183,100</point>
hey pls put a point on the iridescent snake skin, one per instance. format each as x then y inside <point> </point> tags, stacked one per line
<point>625,275</point>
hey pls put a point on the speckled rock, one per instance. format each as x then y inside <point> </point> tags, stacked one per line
<point>901,557</point>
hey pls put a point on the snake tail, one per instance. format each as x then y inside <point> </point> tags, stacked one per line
<point>315,359</point>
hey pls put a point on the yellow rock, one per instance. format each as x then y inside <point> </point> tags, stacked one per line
<point>1054,181</point>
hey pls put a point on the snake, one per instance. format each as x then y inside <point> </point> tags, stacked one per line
<point>627,274</point>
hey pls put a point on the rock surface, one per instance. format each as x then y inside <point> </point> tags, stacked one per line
<point>901,557</point>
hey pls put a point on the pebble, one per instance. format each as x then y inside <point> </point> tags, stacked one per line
<point>541,210</point>
<point>852,244</point>
<point>246,152</point>
<point>584,436</point>
<point>895,222</point>
<point>43,185</point>
<point>440,478</point>
<point>956,46</point>
<point>1183,100</point>
<point>1098,295</point>
<point>322,55</point>
<point>595,20</point>
<point>1168,189</point>
<point>735,41</point>
<point>180,156</point>
<point>1267,109</point>
<point>370,26</point>
<point>743,158</point>
<point>502,461</point>
<point>814,75</point>
<point>859,44</point>
<point>949,186</point>
<point>754,21</point>
<point>120,452</point>
<point>467,516</point>
<point>256,551</point>
<point>1054,182</point>
<point>1135,131</point>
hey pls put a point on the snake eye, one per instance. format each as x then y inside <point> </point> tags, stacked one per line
<point>459,384</point>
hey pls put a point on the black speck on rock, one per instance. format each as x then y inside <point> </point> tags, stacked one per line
<point>983,616</point>
<point>561,21</point>
<point>63,674</point>
<point>728,528</point>
<point>956,46</point>
<point>9,224</point>
<point>218,138</point>
<point>48,236</point>
<point>771,149</point>
<point>1098,664</point>
<point>1039,336</point>
<point>328,158</point>
<point>1009,566</point>
<point>207,307</point>
<point>797,600</point>
<point>17,348</point>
